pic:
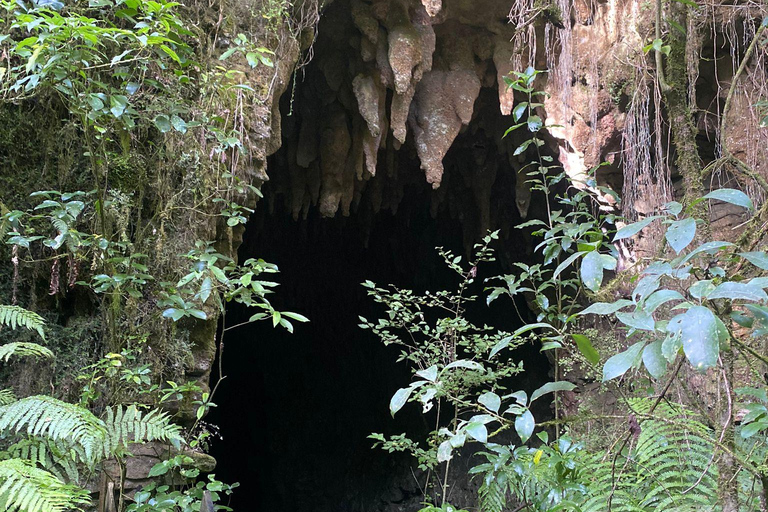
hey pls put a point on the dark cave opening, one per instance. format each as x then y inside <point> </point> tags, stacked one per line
<point>295,410</point>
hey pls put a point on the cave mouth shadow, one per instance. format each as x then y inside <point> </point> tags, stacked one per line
<point>295,410</point>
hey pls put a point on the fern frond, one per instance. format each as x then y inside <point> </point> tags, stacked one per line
<point>7,396</point>
<point>667,469</point>
<point>131,425</point>
<point>26,488</point>
<point>45,416</point>
<point>23,349</point>
<point>57,457</point>
<point>493,494</point>
<point>15,316</point>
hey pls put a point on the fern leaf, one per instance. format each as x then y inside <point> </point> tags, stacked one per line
<point>21,348</point>
<point>45,416</point>
<point>26,488</point>
<point>7,396</point>
<point>129,424</point>
<point>59,458</point>
<point>14,316</point>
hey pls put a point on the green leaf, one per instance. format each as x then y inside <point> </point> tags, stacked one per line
<point>700,337</point>
<point>158,469</point>
<point>519,110</point>
<point>681,233</point>
<point>429,374</point>
<point>501,345</point>
<point>592,271</point>
<point>399,399</point>
<point>660,297</point>
<point>606,308</point>
<point>117,104</point>
<point>586,348</point>
<point>654,360</point>
<point>701,289</point>
<point>162,123</point>
<point>632,229</point>
<point>637,320</point>
<point>566,263</point>
<point>444,451</point>
<point>738,291</point>
<point>619,364</point>
<point>551,387</point>
<point>178,124</point>
<point>295,316</point>
<point>227,54</point>
<point>671,346</point>
<point>732,196</point>
<point>757,258</point>
<point>490,400</point>
<point>174,314</point>
<point>477,431</point>
<point>524,425</point>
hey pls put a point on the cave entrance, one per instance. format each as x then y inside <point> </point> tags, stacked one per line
<point>344,205</point>
<point>295,409</point>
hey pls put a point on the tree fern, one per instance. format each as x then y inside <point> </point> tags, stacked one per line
<point>14,317</point>
<point>26,488</point>
<point>45,416</point>
<point>22,348</point>
<point>58,457</point>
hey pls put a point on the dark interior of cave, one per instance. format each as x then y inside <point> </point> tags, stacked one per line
<point>295,410</point>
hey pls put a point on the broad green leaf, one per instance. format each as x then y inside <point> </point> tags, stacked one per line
<point>444,451</point>
<point>738,291</point>
<point>634,228</point>
<point>477,431</point>
<point>645,287</point>
<point>399,399</point>
<point>162,123</point>
<point>637,320</point>
<point>566,263</point>
<point>205,289</point>
<point>732,196</point>
<point>671,346</point>
<point>551,387</point>
<point>501,345</point>
<point>660,297</point>
<point>174,314</point>
<point>619,364</point>
<point>490,400</point>
<point>708,247</point>
<point>699,333</point>
<point>586,348</point>
<point>606,308</point>
<point>592,270</point>
<point>701,289</point>
<point>654,360</point>
<point>429,374</point>
<point>461,363</point>
<point>681,233</point>
<point>757,258</point>
<point>117,104</point>
<point>178,124</point>
<point>674,208</point>
<point>530,327</point>
<point>524,425</point>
